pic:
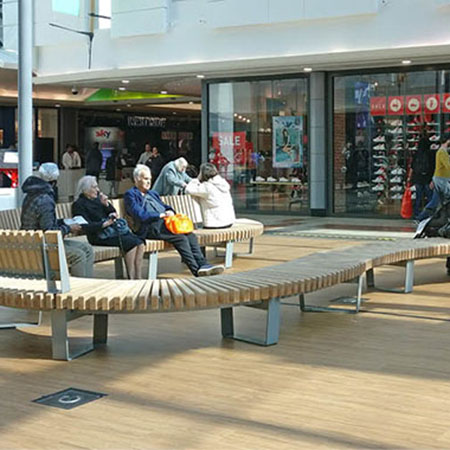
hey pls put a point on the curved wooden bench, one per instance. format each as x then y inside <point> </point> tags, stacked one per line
<point>34,254</point>
<point>242,230</point>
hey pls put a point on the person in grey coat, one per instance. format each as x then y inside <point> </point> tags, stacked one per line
<point>38,213</point>
<point>173,178</point>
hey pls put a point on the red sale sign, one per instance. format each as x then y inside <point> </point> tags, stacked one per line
<point>413,104</point>
<point>378,106</point>
<point>228,140</point>
<point>446,103</point>
<point>431,103</point>
<point>396,106</point>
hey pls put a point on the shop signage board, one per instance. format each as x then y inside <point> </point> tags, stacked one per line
<point>413,104</point>
<point>431,103</point>
<point>146,121</point>
<point>378,106</point>
<point>396,106</point>
<point>446,103</point>
<point>287,149</point>
<point>226,144</point>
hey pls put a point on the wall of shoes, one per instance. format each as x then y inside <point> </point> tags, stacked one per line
<point>394,144</point>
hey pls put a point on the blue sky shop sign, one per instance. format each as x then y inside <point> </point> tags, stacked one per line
<point>146,121</point>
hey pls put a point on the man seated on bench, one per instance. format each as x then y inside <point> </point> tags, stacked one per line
<point>38,213</point>
<point>148,211</point>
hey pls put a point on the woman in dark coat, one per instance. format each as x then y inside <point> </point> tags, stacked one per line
<point>98,211</point>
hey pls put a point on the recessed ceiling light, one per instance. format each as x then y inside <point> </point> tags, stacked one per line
<point>164,92</point>
<point>57,105</point>
<point>307,69</point>
<point>406,61</point>
<point>200,76</point>
<point>174,113</point>
<point>239,117</point>
<point>121,88</point>
<point>125,81</point>
<point>191,103</point>
<point>128,105</point>
<point>118,109</point>
<point>248,120</point>
<point>235,114</point>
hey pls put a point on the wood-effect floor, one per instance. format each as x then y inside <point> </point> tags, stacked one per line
<point>377,379</point>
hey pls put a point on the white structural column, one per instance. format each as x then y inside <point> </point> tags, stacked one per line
<point>317,151</point>
<point>25,141</point>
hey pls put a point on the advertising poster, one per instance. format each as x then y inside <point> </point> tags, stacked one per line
<point>287,141</point>
<point>413,104</point>
<point>396,106</point>
<point>432,103</point>
<point>226,145</point>
<point>378,106</point>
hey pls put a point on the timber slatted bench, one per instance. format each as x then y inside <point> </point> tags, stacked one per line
<point>242,230</point>
<point>39,258</point>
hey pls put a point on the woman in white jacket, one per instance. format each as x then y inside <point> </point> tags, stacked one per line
<point>213,194</point>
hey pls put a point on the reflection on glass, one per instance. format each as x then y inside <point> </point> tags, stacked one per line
<point>258,141</point>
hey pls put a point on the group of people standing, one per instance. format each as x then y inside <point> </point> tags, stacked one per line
<point>143,205</point>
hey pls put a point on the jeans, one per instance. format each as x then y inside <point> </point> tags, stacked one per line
<point>80,258</point>
<point>430,207</point>
<point>186,245</point>
<point>422,191</point>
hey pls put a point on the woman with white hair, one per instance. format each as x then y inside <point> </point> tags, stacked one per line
<point>173,178</point>
<point>213,193</point>
<point>101,216</point>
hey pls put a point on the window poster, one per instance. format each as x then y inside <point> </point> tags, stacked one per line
<point>287,146</point>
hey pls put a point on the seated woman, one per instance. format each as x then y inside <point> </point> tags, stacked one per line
<point>98,211</point>
<point>213,193</point>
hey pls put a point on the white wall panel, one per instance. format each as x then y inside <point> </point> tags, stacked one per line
<point>286,10</point>
<point>119,6</point>
<point>151,21</point>
<point>327,9</point>
<point>236,13</point>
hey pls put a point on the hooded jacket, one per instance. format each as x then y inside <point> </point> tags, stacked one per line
<point>215,201</point>
<point>38,208</point>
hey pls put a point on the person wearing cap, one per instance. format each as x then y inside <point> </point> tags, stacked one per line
<point>38,213</point>
<point>173,178</point>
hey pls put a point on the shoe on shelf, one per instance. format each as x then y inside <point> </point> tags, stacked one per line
<point>283,179</point>
<point>379,139</point>
<point>378,188</point>
<point>260,179</point>
<point>380,171</point>
<point>434,147</point>
<point>295,179</point>
<point>271,179</point>
<point>413,189</point>
<point>435,138</point>
<point>379,179</point>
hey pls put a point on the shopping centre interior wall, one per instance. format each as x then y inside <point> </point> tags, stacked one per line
<point>169,34</point>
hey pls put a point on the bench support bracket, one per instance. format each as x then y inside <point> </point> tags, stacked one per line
<point>22,324</point>
<point>153,266</point>
<point>60,340</point>
<point>229,254</point>
<point>272,331</point>
<point>409,280</point>
<point>310,308</point>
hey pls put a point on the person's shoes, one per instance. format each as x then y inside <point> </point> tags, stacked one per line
<point>209,269</point>
<point>205,270</point>
<point>217,269</point>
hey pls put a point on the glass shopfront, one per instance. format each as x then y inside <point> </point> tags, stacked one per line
<point>380,122</point>
<point>257,138</point>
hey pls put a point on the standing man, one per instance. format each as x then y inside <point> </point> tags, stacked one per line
<point>71,159</point>
<point>145,155</point>
<point>94,161</point>
<point>148,213</point>
<point>38,213</point>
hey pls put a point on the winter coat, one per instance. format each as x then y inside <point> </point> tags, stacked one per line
<point>170,181</point>
<point>147,221</point>
<point>95,213</point>
<point>422,164</point>
<point>215,201</point>
<point>94,161</point>
<point>38,207</point>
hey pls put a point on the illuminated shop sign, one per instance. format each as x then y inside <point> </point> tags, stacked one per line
<point>146,121</point>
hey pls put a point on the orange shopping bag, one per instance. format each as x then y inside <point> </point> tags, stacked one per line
<point>407,206</point>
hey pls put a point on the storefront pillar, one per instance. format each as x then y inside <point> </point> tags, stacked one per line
<point>317,150</point>
<point>25,141</point>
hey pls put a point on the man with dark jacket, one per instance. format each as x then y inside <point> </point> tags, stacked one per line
<point>94,161</point>
<point>148,211</point>
<point>38,213</point>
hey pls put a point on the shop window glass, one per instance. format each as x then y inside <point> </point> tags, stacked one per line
<point>380,122</point>
<point>258,141</point>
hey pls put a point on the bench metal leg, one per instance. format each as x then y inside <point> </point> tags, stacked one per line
<point>153,266</point>
<point>229,254</point>
<point>100,328</point>
<point>309,308</point>
<point>60,340</point>
<point>118,268</point>
<point>272,332</point>
<point>409,280</point>
<point>250,246</point>
<point>22,324</point>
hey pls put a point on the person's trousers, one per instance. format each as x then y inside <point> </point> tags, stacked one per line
<point>80,258</point>
<point>423,191</point>
<point>186,245</point>
<point>430,207</point>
